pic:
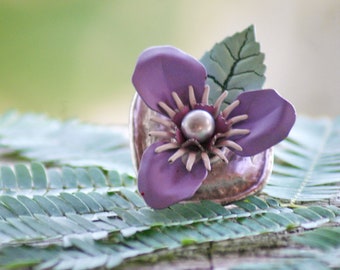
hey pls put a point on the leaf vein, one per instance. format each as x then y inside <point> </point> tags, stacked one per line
<point>313,164</point>
<point>232,69</point>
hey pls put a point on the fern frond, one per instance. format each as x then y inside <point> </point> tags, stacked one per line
<point>307,164</point>
<point>37,137</point>
<point>91,216</point>
<point>35,179</point>
<point>138,230</point>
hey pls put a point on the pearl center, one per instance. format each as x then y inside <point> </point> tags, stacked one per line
<point>199,125</point>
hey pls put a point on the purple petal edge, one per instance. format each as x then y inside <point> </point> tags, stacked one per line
<point>161,70</point>
<point>162,184</point>
<point>270,119</point>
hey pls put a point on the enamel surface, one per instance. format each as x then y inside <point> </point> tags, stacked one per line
<point>193,149</point>
<point>241,177</point>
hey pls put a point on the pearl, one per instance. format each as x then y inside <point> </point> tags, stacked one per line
<point>198,124</point>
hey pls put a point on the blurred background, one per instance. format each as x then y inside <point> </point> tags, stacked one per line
<point>74,59</point>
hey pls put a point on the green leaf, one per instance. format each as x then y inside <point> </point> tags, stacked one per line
<point>37,137</point>
<point>321,238</point>
<point>69,217</point>
<point>37,179</point>
<point>38,176</point>
<point>23,176</point>
<point>14,205</point>
<point>234,65</point>
<point>47,205</point>
<point>307,163</point>
<point>8,178</point>
<point>142,230</point>
<point>31,205</point>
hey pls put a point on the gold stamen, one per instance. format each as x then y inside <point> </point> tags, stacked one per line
<point>206,160</point>
<point>205,97</point>
<point>230,144</point>
<point>220,154</point>
<point>166,146</point>
<point>230,108</point>
<point>179,153</point>
<point>238,118</point>
<point>192,142</point>
<point>177,100</point>
<point>219,101</point>
<point>236,131</point>
<point>192,98</point>
<point>190,161</point>
<point>167,109</point>
<point>165,122</point>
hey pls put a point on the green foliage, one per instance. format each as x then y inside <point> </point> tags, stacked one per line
<point>68,196</point>
<point>37,137</point>
<point>307,164</point>
<point>235,65</point>
<point>70,210</point>
<point>321,238</point>
<point>325,244</point>
<point>105,237</point>
<point>36,179</point>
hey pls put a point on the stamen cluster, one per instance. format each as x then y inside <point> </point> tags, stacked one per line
<point>189,148</point>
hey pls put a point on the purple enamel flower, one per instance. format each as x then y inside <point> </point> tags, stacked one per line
<point>195,133</point>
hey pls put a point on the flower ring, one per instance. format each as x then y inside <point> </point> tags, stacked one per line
<point>191,134</point>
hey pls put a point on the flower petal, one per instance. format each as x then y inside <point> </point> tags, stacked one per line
<point>162,184</point>
<point>162,70</point>
<point>270,118</point>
